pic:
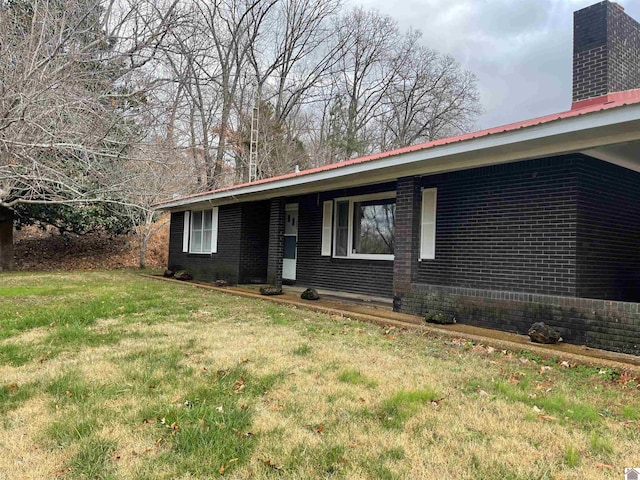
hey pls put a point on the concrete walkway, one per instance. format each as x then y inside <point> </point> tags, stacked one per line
<point>378,312</point>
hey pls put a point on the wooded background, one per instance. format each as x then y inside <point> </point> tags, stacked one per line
<point>108,107</point>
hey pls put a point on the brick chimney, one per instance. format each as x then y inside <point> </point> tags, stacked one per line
<point>606,51</point>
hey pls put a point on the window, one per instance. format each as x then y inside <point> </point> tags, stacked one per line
<point>374,226</point>
<point>428,224</point>
<point>201,226</point>
<point>342,229</point>
<point>364,226</point>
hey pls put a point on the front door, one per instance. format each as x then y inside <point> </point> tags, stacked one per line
<point>290,242</point>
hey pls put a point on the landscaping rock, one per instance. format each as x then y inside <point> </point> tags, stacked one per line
<point>542,333</point>
<point>440,318</point>
<point>310,294</point>
<point>270,290</point>
<point>168,273</point>
<point>183,275</point>
<point>221,283</point>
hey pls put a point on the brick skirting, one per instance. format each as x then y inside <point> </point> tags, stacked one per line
<point>604,324</point>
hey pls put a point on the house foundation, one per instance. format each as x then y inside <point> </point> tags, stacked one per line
<point>605,324</point>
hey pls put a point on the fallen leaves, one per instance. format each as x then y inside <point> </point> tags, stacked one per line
<point>484,349</point>
<point>628,379</point>
<point>226,466</point>
<point>270,464</point>
<point>388,333</point>
<point>546,417</point>
<point>238,385</point>
<point>546,386</point>
<point>62,472</point>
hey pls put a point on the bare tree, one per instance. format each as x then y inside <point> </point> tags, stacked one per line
<point>366,73</point>
<point>62,114</point>
<point>151,174</point>
<point>233,27</point>
<point>431,97</point>
<point>296,51</point>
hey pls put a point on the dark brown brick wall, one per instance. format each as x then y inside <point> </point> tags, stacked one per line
<point>606,46</point>
<point>369,277</point>
<point>276,241</point>
<point>254,242</point>
<point>608,249</point>
<point>508,227</point>
<point>209,267</point>
<point>602,324</point>
<point>624,50</point>
<point>407,247</point>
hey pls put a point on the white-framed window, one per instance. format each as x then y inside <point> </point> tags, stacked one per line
<point>363,226</point>
<point>428,224</point>
<point>200,231</point>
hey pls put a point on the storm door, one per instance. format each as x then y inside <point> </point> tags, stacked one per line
<point>290,242</point>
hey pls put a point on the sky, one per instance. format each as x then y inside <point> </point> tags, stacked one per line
<point>520,50</point>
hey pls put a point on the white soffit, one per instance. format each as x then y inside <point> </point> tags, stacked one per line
<point>625,155</point>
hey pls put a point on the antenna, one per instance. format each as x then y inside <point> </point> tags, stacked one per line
<point>253,143</point>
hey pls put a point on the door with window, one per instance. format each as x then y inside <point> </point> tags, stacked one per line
<point>290,242</point>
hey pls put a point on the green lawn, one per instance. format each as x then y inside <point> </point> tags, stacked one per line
<point>110,375</point>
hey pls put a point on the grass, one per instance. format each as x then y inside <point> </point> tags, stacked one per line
<point>395,411</point>
<point>108,375</point>
<point>355,377</point>
<point>571,457</point>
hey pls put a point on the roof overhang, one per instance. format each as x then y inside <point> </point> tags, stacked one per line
<point>612,135</point>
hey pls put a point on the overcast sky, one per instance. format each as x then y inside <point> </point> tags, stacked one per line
<point>520,50</point>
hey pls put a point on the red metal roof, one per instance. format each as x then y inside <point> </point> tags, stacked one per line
<point>606,102</point>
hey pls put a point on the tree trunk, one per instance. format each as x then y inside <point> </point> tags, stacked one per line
<point>143,243</point>
<point>6,239</point>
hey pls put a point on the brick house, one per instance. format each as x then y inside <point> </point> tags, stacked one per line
<point>538,220</point>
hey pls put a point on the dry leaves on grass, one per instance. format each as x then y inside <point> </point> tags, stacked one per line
<point>224,467</point>
<point>270,464</point>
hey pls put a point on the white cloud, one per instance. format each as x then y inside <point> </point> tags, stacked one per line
<point>520,50</point>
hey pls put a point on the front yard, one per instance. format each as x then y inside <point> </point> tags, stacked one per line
<point>110,375</point>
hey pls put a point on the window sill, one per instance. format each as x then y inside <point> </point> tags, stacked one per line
<point>366,257</point>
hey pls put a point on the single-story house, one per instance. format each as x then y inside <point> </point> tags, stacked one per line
<point>533,221</point>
